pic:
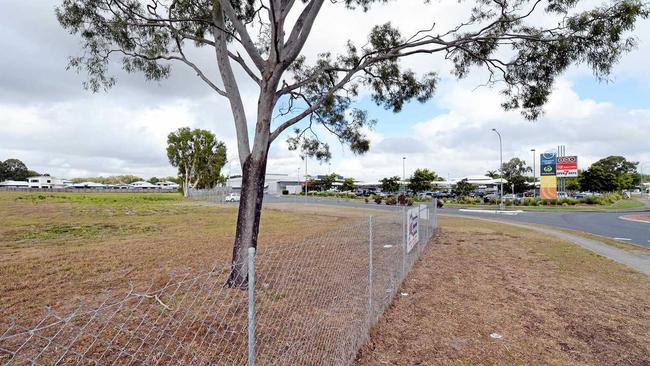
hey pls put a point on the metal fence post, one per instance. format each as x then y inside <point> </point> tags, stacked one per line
<point>370,308</point>
<point>404,237</point>
<point>251,306</point>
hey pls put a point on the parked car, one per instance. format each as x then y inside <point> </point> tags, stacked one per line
<point>561,195</point>
<point>233,197</point>
<point>490,196</point>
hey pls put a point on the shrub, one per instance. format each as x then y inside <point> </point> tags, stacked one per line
<point>367,200</point>
<point>390,200</point>
<point>401,199</point>
<point>530,201</point>
<point>469,200</point>
<point>409,201</point>
<point>377,200</point>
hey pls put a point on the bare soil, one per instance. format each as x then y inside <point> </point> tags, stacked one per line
<point>544,301</point>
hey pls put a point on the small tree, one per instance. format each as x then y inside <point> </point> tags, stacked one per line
<point>153,180</point>
<point>390,185</point>
<point>348,184</point>
<point>514,171</point>
<point>327,181</point>
<point>492,174</point>
<point>463,188</point>
<point>198,156</point>
<point>421,180</point>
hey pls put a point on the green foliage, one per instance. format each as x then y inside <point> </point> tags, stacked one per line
<point>112,199</point>
<point>465,200</point>
<point>463,188</point>
<point>348,184</point>
<point>198,155</point>
<point>610,174</point>
<point>14,169</point>
<point>327,181</point>
<point>492,174</point>
<point>391,200</point>
<point>377,199</point>
<point>514,172</point>
<point>113,180</point>
<point>421,180</point>
<point>390,185</point>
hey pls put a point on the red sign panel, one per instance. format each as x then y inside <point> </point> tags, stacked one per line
<point>567,166</point>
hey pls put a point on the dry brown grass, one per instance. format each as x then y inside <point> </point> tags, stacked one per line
<point>553,302</point>
<point>56,251</point>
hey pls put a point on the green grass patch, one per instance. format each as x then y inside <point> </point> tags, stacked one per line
<point>117,199</point>
<point>78,231</point>
<point>625,205</point>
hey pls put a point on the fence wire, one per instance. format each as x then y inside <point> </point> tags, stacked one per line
<point>216,194</point>
<point>316,300</point>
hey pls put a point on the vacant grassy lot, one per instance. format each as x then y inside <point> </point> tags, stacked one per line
<point>551,302</point>
<point>58,248</point>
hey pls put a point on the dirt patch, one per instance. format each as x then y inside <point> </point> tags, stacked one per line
<point>550,302</point>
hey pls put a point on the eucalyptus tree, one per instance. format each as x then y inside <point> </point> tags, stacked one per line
<point>266,40</point>
<point>198,155</point>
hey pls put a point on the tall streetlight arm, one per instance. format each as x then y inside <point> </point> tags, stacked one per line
<point>500,165</point>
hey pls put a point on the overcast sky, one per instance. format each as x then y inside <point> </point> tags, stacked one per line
<point>48,121</point>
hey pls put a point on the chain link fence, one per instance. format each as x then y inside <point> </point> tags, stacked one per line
<point>216,194</point>
<point>310,302</point>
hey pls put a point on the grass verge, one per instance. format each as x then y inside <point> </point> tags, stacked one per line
<point>546,301</point>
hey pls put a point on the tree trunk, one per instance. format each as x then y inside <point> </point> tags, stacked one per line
<point>186,185</point>
<point>248,218</point>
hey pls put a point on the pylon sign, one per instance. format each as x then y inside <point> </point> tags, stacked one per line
<point>567,166</point>
<point>548,163</point>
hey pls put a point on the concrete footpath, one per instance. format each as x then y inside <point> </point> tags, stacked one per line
<point>637,261</point>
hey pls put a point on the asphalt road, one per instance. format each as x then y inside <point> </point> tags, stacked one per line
<point>601,223</point>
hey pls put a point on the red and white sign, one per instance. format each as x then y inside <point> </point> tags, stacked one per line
<point>567,166</point>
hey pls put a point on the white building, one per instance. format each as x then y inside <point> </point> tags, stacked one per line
<point>91,185</point>
<point>45,182</point>
<point>14,184</point>
<point>273,183</point>
<point>143,185</point>
<point>168,185</point>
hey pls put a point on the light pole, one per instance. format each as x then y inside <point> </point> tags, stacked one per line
<point>404,171</point>
<point>500,167</point>
<point>305,176</point>
<point>534,175</point>
<point>643,192</point>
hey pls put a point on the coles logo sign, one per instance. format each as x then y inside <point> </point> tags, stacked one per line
<point>567,166</point>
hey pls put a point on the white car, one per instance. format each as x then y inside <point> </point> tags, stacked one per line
<point>233,197</point>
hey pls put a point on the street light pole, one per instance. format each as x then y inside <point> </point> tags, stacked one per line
<point>534,175</point>
<point>404,171</point>
<point>500,166</point>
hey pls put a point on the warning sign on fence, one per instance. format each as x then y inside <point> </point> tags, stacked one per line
<point>424,212</point>
<point>412,235</point>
